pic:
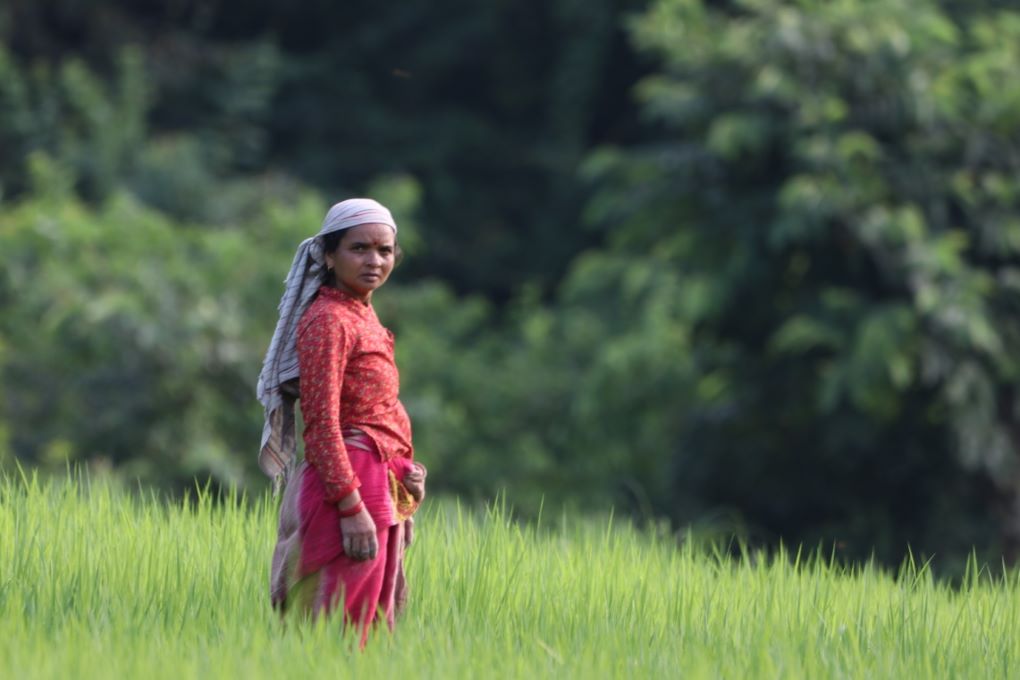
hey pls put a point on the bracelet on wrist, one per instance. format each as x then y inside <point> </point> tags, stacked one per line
<point>353,510</point>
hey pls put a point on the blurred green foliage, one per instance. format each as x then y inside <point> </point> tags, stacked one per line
<point>752,266</point>
<point>840,181</point>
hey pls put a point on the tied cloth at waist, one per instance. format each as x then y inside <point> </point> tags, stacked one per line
<point>391,495</point>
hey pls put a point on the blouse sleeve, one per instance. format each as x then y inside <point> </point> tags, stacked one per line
<point>323,347</point>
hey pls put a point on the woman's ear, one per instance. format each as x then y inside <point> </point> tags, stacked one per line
<point>330,261</point>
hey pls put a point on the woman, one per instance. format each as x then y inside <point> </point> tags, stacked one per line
<point>346,512</point>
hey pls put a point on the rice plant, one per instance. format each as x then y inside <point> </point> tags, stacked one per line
<point>98,582</point>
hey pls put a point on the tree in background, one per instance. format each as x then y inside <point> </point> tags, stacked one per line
<point>786,310</point>
<point>491,107</point>
<point>836,186</point>
<point>212,121</point>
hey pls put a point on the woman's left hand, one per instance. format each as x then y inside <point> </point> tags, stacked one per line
<point>414,482</point>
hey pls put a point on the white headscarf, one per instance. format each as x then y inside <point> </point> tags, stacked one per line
<point>276,457</point>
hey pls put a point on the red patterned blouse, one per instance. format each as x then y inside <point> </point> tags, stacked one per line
<point>348,379</point>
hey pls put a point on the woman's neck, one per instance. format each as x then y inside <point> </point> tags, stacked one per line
<point>364,299</point>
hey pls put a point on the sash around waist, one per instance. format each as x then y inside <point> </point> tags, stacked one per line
<point>373,474</point>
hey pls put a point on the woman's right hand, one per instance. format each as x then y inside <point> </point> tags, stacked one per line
<point>360,539</point>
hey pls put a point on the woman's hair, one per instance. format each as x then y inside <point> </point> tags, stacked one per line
<point>331,241</point>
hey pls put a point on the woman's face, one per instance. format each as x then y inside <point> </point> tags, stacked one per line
<point>364,259</point>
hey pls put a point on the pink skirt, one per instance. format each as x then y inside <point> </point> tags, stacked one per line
<point>310,572</point>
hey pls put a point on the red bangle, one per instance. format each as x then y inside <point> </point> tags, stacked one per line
<point>353,510</point>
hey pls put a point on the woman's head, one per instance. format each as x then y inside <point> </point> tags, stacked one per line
<point>359,243</point>
<point>359,259</point>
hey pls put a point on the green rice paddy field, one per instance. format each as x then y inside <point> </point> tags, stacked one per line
<point>95,582</point>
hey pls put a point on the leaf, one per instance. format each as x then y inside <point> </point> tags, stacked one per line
<point>801,334</point>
